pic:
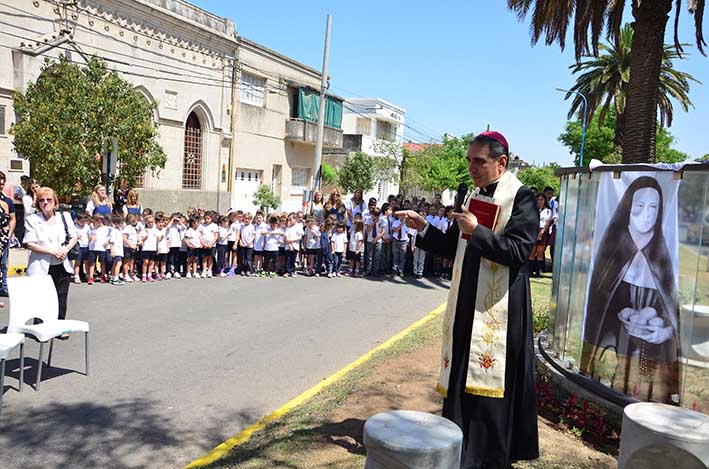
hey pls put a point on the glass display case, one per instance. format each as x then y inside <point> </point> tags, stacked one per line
<point>685,226</point>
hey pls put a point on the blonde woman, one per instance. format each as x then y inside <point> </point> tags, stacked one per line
<point>49,243</point>
<point>317,207</point>
<point>334,206</point>
<point>99,203</point>
<point>132,205</point>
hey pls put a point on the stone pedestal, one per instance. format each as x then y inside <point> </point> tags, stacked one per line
<point>409,439</point>
<point>663,436</point>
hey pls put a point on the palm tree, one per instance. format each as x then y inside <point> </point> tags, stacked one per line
<point>551,19</point>
<point>604,80</point>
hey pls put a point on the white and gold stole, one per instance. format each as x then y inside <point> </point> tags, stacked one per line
<point>488,342</point>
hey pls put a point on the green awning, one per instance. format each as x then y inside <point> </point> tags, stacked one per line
<point>309,106</point>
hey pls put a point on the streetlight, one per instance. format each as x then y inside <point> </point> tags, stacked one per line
<point>585,112</point>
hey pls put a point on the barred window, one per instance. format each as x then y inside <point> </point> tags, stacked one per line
<point>386,131</point>
<point>251,89</point>
<point>364,126</point>
<point>299,178</point>
<point>192,159</point>
<point>3,131</point>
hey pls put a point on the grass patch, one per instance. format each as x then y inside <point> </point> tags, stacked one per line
<point>541,302</point>
<point>287,441</point>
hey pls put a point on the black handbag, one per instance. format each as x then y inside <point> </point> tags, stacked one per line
<point>73,253</point>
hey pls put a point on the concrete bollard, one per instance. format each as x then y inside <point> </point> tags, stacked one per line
<point>409,439</point>
<point>660,435</point>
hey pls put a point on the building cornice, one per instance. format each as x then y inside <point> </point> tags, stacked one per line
<point>271,54</point>
<point>146,18</point>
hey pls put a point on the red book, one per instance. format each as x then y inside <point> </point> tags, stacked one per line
<point>486,213</point>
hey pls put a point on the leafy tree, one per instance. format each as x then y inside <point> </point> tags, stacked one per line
<point>265,199</point>
<point>540,177</point>
<point>387,162</point>
<point>357,173</point>
<point>329,175</point>
<point>600,138</point>
<point>66,115</point>
<point>438,167</point>
<point>604,81</point>
<point>589,19</point>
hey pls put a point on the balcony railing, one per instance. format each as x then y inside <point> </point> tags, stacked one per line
<point>300,130</point>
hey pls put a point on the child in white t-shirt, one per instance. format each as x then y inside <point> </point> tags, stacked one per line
<point>115,243</point>
<point>312,245</point>
<point>339,246</point>
<point>209,232</point>
<point>163,247</point>
<point>235,221</point>
<point>355,246</point>
<point>193,243</point>
<point>270,246</point>
<point>83,229</point>
<point>222,244</point>
<point>259,227</point>
<point>400,233</point>
<point>151,237</point>
<point>247,237</point>
<point>98,243</point>
<point>293,238</point>
<point>130,248</point>
<point>175,230</point>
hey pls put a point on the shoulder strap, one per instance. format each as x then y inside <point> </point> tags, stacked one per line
<point>66,228</point>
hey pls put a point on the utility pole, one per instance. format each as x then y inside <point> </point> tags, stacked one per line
<point>317,158</point>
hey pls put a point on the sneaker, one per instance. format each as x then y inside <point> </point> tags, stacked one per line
<point>144,278</point>
<point>230,273</point>
<point>77,279</point>
<point>209,274</point>
<point>329,275</point>
<point>90,281</point>
<point>135,278</point>
<point>187,275</point>
<point>116,281</point>
<point>176,275</point>
<point>168,275</point>
<point>128,279</point>
<point>103,279</point>
<point>337,274</point>
<point>151,279</point>
<point>272,274</point>
<point>222,275</point>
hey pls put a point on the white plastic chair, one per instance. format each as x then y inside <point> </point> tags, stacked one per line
<point>8,342</point>
<point>36,297</point>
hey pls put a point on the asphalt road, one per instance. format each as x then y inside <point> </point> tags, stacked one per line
<point>179,366</point>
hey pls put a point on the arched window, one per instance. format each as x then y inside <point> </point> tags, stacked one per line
<point>192,159</point>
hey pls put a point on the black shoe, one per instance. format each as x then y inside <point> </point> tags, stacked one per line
<point>4,293</point>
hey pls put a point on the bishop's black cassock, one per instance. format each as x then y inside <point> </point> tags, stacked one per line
<point>496,431</point>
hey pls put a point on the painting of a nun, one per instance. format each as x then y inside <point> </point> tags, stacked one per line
<point>631,321</point>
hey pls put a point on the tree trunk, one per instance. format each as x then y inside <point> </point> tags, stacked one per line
<point>619,129</point>
<point>645,65</point>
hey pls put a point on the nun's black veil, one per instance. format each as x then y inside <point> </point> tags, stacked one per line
<point>611,262</point>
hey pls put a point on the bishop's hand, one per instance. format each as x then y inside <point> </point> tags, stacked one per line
<point>413,220</point>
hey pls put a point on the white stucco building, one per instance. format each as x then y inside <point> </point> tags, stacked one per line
<point>228,108</point>
<point>375,127</point>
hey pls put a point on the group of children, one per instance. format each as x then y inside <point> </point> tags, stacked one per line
<point>149,246</point>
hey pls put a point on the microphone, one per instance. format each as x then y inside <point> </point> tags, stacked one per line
<point>460,200</point>
<point>460,197</point>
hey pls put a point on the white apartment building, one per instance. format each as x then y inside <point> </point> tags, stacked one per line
<point>374,126</point>
<point>228,109</point>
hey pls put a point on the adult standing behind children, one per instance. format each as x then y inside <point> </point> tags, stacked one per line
<point>50,237</point>
<point>132,205</point>
<point>99,203</point>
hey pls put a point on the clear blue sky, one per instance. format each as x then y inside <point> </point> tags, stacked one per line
<point>455,66</point>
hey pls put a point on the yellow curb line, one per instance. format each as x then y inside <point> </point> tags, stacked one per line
<point>244,435</point>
